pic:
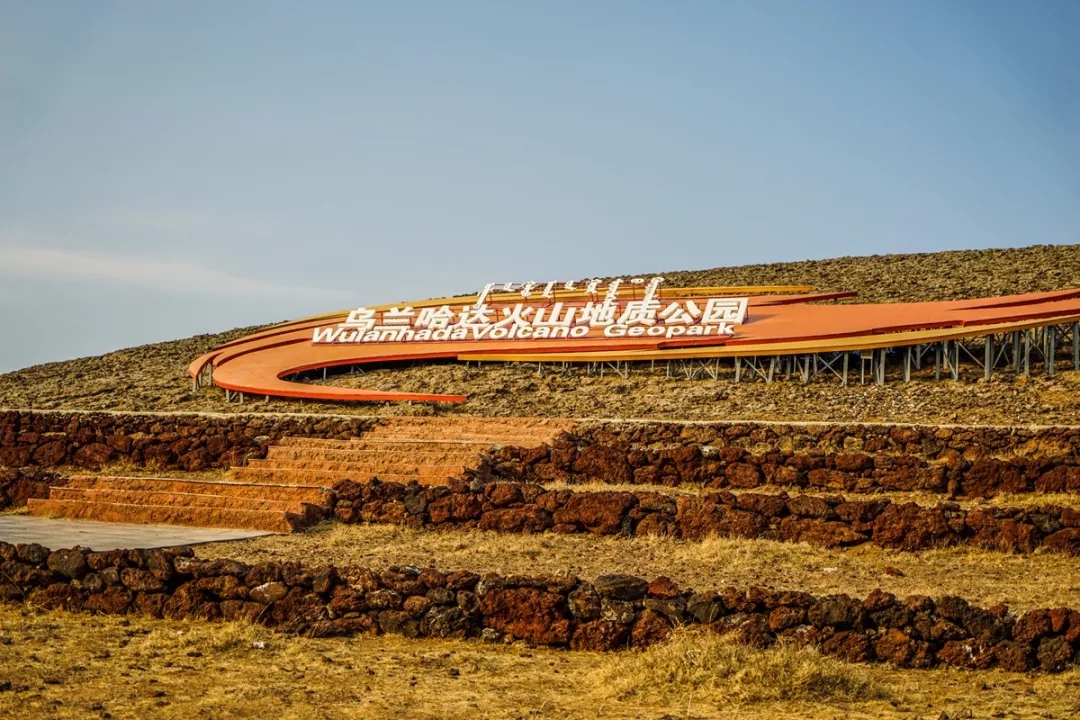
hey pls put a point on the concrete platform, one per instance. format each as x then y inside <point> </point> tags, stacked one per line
<point>58,533</point>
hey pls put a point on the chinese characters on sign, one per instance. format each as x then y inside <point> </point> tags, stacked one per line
<point>545,317</point>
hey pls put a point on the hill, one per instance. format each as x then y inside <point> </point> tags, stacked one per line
<point>153,377</point>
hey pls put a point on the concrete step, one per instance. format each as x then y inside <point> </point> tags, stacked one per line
<point>268,520</point>
<point>326,477</point>
<point>312,494</point>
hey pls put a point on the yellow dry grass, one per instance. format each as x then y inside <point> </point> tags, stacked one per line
<point>1024,500</point>
<point>62,665</point>
<point>985,577</point>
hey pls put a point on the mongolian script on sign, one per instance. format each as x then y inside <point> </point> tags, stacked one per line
<point>647,316</point>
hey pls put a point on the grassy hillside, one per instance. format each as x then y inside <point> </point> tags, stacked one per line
<point>153,377</point>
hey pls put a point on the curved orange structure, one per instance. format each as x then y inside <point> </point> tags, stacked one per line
<point>777,321</point>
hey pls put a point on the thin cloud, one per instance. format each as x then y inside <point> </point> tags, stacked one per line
<point>168,275</point>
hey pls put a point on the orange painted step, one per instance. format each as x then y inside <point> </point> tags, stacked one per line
<point>371,455</point>
<point>171,499</point>
<point>394,468</point>
<point>268,520</point>
<point>407,442</point>
<point>315,495</point>
<point>327,477</point>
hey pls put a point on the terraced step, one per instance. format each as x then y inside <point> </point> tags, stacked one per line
<point>363,455</point>
<point>385,444</point>
<point>327,477</point>
<point>174,499</point>
<point>373,466</point>
<point>269,520</point>
<point>311,494</point>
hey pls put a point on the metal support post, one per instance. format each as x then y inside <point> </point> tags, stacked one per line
<point>1016,351</point>
<point>847,355</point>
<point>738,369</point>
<point>988,357</point>
<point>956,360</point>
<point>1076,346</point>
<point>1051,349</point>
<point>881,367</point>
<point>907,364</point>
<point>1027,352</point>
<point>937,361</point>
<point>772,369</point>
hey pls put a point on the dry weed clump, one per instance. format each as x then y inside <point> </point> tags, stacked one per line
<point>698,664</point>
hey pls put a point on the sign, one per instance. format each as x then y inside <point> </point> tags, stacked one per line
<point>545,317</point>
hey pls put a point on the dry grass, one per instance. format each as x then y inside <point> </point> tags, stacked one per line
<point>61,665</point>
<point>1025,500</point>
<point>722,672</point>
<point>984,577</point>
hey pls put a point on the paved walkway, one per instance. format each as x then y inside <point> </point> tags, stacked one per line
<point>55,534</point>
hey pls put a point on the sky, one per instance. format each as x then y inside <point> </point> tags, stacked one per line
<point>170,169</point>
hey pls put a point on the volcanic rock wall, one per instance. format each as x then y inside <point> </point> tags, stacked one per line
<point>973,461</point>
<point>161,441</point>
<point>611,612</point>
<point>828,521</point>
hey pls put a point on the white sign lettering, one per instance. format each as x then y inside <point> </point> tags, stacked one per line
<point>647,316</point>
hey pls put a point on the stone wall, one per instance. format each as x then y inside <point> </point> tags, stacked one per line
<point>829,521</point>
<point>613,611</point>
<point>161,441</point>
<point>17,485</point>
<point>972,461</point>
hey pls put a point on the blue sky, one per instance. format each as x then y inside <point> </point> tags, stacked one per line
<point>176,168</point>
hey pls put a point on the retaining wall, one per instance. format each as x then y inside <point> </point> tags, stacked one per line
<point>972,461</point>
<point>830,521</point>
<point>611,612</point>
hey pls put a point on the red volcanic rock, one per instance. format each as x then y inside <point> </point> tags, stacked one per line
<point>832,479</point>
<point>150,604</point>
<point>1014,656</point>
<point>1063,478</point>
<point>534,615</point>
<point>853,462</point>
<point>50,454</point>
<point>1031,626</point>
<point>93,456</point>
<point>600,513</point>
<point>1066,541</point>
<point>743,475</point>
<point>658,524</point>
<point>141,580</point>
<point>503,494</point>
<point>784,617</point>
<point>650,628</point>
<point>458,507</point>
<point>599,635</point>
<point>849,646</point>
<point>1053,654</point>
<point>184,602</point>
<point>603,464</point>
<point>664,588</point>
<point>821,533</point>
<point>113,601</point>
<point>765,504</point>
<point>838,611</point>
<point>912,527</point>
<point>519,520</point>
<point>988,477</point>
